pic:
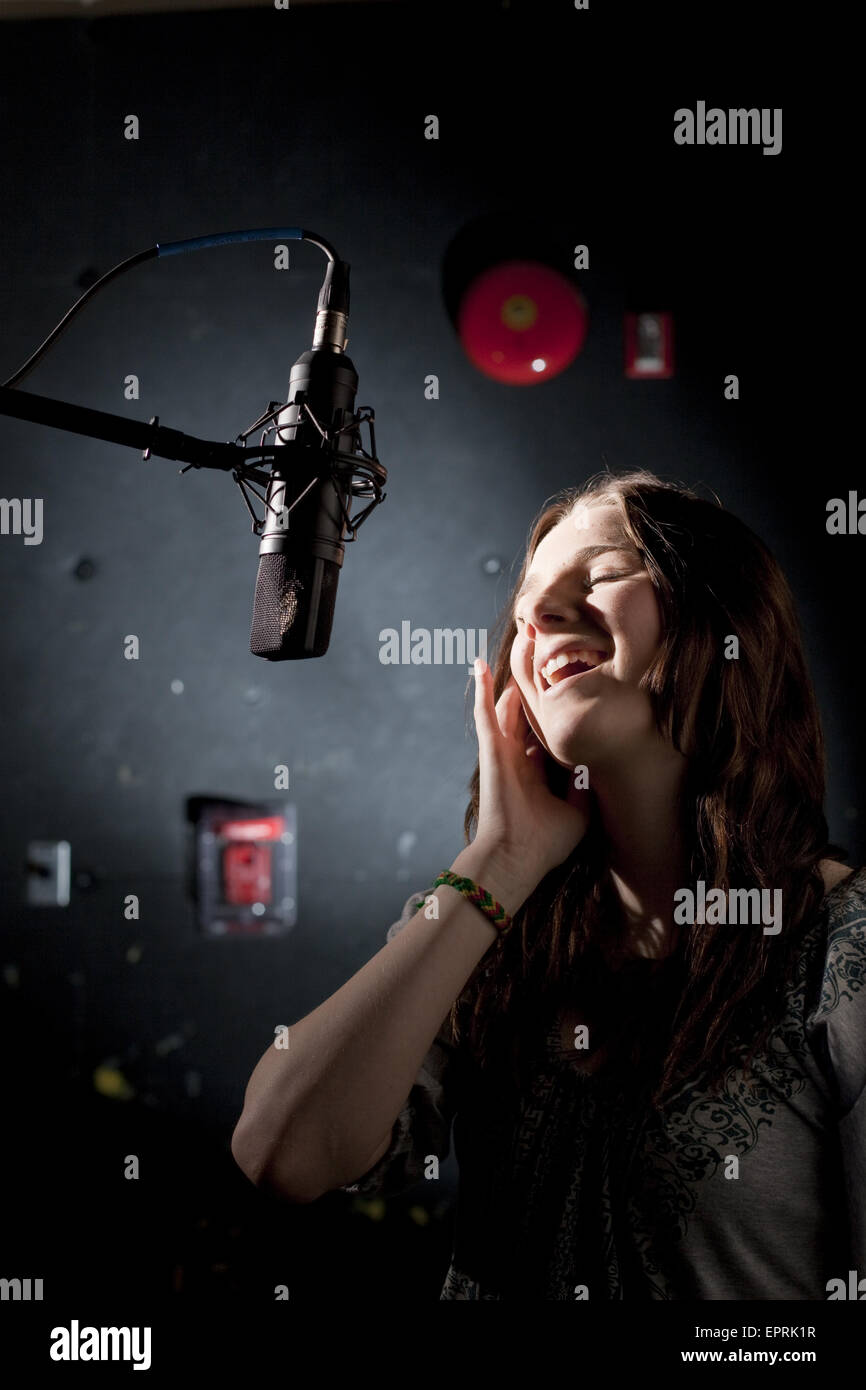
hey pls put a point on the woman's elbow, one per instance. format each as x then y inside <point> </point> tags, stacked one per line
<point>268,1172</point>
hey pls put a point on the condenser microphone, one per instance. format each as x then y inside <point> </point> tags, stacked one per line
<point>302,549</point>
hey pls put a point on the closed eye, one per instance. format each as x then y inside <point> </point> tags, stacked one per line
<point>589,583</point>
<point>600,578</point>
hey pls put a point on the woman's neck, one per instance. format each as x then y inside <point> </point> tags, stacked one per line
<point>640,808</point>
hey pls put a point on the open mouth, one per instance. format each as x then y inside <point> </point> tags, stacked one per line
<point>568,666</point>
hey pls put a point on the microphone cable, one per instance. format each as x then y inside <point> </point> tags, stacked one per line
<point>167,248</point>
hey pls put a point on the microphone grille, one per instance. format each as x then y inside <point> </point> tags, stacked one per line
<point>287,596</point>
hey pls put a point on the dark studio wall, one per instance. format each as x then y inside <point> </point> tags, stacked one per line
<point>316,117</point>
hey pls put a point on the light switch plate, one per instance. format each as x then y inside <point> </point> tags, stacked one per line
<point>48,873</point>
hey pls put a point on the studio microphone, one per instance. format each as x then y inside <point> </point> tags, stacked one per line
<point>302,549</point>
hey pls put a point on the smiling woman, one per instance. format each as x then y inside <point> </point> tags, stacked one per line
<point>701,767</point>
<point>643,1107</point>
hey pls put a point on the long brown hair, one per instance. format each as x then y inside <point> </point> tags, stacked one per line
<point>752,805</point>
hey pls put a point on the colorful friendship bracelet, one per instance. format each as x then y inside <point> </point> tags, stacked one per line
<point>474,893</point>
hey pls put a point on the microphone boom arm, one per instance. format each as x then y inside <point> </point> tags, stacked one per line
<point>238,459</point>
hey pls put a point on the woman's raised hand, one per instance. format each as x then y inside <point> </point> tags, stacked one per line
<point>519,817</point>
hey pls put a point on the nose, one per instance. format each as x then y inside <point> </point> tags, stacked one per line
<point>546,614</point>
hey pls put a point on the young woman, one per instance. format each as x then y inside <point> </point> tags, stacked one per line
<point>650,968</point>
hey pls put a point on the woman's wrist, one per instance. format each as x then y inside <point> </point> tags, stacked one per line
<point>493,869</point>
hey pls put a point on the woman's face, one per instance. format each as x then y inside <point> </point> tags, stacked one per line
<point>588,590</point>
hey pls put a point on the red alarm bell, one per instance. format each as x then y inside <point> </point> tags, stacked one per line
<point>521,322</point>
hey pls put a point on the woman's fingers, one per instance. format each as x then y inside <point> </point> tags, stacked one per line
<point>507,717</point>
<point>533,727</point>
<point>508,709</point>
<point>485,717</point>
<point>498,718</point>
<point>510,712</point>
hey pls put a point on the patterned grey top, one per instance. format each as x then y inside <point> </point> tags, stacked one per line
<point>574,1189</point>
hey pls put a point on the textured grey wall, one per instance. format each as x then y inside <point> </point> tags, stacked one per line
<point>249,120</point>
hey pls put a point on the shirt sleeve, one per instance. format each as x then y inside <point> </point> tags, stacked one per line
<point>423,1126</point>
<point>837,1028</point>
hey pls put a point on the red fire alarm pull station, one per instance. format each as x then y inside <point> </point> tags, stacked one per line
<point>649,345</point>
<point>246,859</point>
<point>245,878</point>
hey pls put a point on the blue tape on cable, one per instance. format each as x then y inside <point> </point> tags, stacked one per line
<point>174,248</point>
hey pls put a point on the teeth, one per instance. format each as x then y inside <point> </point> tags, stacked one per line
<point>589,658</point>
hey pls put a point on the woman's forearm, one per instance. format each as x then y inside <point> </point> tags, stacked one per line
<point>319,1112</point>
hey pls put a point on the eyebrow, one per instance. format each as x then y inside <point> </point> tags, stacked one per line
<point>589,552</point>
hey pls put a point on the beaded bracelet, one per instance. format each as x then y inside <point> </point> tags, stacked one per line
<point>472,891</point>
